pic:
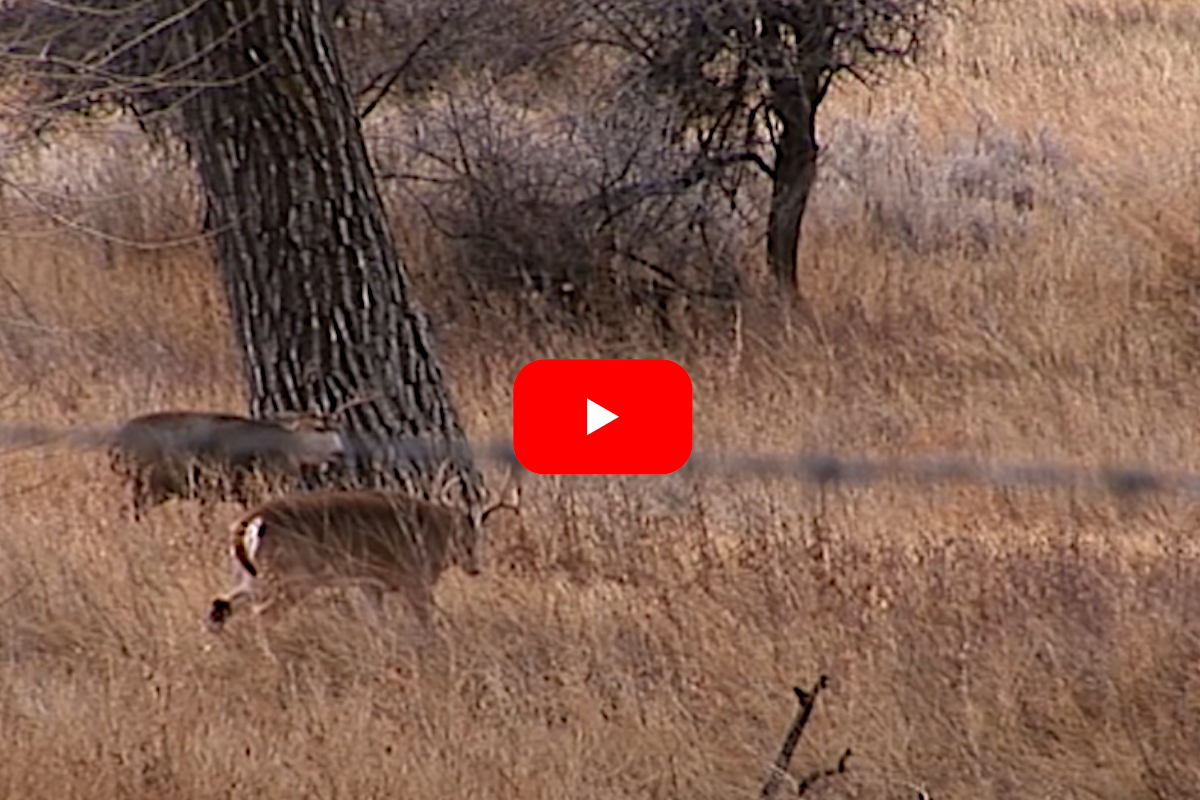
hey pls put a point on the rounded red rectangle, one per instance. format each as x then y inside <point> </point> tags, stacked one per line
<point>592,416</point>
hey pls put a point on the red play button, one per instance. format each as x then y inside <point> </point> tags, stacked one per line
<point>594,416</point>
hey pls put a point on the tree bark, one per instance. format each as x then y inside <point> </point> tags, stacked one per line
<point>317,291</point>
<point>795,172</point>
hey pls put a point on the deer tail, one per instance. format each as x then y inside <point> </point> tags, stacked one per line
<point>245,543</point>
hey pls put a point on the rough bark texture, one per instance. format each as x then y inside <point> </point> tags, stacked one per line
<point>316,288</point>
<point>795,172</point>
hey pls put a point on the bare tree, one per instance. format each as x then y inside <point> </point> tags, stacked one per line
<point>318,293</point>
<point>747,78</point>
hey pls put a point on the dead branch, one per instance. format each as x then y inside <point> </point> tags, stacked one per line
<point>779,768</point>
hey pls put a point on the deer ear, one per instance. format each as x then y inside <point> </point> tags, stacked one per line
<point>510,495</point>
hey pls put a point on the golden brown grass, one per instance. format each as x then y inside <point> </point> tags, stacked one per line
<point>640,638</point>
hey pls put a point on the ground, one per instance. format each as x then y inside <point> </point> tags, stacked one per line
<point>1003,257</point>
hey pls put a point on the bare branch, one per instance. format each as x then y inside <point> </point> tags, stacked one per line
<point>393,74</point>
<point>779,768</point>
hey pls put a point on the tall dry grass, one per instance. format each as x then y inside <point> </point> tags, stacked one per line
<point>1002,258</point>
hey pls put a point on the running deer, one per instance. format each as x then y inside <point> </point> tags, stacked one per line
<point>195,455</point>
<point>374,540</point>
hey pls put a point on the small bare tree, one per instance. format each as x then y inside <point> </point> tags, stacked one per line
<point>747,77</point>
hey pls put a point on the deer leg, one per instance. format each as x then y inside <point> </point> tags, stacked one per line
<point>279,598</point>
<point>133,501</point>
<point>246,591</point>
<point>372,605</point>
<point>267,608</point>
<point>206,513</point>
<point>419,595</point>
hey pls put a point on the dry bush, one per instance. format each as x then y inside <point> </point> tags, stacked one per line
<point>572,217</point>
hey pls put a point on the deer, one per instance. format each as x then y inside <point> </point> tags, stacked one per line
<point>203,456</point>
<point>374,540</point>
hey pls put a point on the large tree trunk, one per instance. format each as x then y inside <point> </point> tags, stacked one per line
<point>795,172</point>
<point>317,292</point>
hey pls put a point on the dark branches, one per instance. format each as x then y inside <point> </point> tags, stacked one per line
<point>779,768</point>
<point>746,78</point>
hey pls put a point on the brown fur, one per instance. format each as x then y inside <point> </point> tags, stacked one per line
<point>377,541</point>
<point>194,455</point>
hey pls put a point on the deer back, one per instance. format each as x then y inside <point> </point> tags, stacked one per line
<point>235,441</point>
<point>357,531</point>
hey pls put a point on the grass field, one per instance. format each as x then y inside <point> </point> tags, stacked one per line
<point>1004,260</point>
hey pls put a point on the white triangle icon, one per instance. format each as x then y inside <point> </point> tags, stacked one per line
<point>598,416</point>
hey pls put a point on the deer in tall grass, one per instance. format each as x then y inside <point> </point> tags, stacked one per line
<point>374,540</point>
<point>207,457</point>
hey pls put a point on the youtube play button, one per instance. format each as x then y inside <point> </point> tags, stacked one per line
<point>602,416</point>
<point>597,417</point>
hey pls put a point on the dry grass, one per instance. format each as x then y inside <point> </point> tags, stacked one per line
<point>1004,261</point>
